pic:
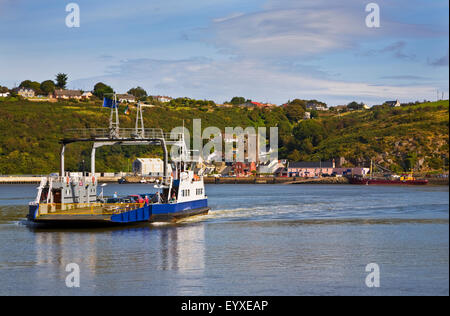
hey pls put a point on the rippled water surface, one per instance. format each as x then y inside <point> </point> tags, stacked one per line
<point>257,240</point>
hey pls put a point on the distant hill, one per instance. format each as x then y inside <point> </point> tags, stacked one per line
<point>397,138</point>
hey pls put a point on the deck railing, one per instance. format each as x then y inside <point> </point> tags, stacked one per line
<point>125,133</point>
<point>87,208</point>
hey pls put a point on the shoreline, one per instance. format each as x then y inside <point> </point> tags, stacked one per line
<point>231,180</point>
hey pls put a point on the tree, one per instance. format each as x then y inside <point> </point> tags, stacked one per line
<point>310,129</point>
<point>61,80</point>
<point>48,86</point>
<point>3,89</point>
<point>295,155</point>
<point>138,92</point>
<point>294,112</point>
<point>410,161</point>
<point>314,114</point>
<point>100,89</point>
<point>299,102</point>
<point>237,100</point>
<point>355,105</point>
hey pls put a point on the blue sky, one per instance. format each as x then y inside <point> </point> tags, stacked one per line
<point>266,50</point>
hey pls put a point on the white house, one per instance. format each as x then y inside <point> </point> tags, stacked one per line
<point>4,94</point>
<point>153,167</point>
<point>126,98</point>
<point>163,99</point>
<point>86,95</point>
<point>316,106</point>
<point>26,93</point>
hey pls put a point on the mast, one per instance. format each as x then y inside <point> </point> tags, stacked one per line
<point>139,131</point>
<point>114,124</point>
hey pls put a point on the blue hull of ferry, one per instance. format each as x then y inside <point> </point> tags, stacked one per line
<point>150,213</point>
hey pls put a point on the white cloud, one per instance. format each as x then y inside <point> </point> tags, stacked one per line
<point>221,80</point>
<point>303,28</point>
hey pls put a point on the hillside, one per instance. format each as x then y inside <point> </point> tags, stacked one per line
<point>397,138</point>
<point>400,138</point>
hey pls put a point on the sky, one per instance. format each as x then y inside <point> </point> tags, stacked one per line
<point>265,50</point>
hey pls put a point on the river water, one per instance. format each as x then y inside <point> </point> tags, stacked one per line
<point>257,240</point>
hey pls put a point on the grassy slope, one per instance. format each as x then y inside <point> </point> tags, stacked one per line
<point>389,136</point>
<point>29,133</point>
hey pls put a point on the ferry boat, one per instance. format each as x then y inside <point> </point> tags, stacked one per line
<point>71,198</point>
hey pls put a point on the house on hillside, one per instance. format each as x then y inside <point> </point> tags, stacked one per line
<point>261,105</point>
<point>26,92</point>
<point>163,99</point>
<point>126,98</point>
<point>67,94</point>
<point>87,95</point>
<point>393,104</point>
<point>316,106</point>
<point>340,108</point>
<point>4,94</point>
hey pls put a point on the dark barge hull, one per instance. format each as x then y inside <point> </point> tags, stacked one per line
<point>363,181</point>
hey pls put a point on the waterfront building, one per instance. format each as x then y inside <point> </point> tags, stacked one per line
<point>242,169</point>
<point>270,167</point>
<point>153,167</point>
<point>310,169</point>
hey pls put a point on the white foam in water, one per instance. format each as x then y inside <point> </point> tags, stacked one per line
<point>159,224</point>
